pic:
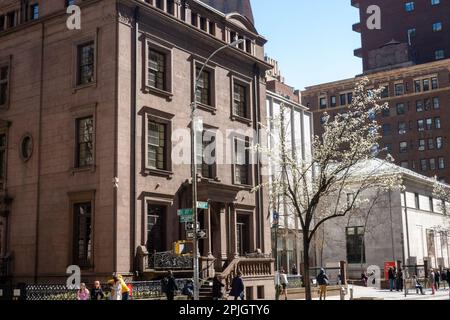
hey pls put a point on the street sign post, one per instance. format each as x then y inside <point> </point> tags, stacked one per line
<point>185,212</point>
<point>189,226</point>
<point>202,205</point>
<point>201,234</point>
<point>184,219</point>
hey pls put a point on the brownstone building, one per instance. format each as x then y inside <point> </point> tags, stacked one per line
<point>414,68</point>
<point>88,119</point>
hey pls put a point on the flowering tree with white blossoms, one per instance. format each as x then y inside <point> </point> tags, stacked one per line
<point>315,189</point>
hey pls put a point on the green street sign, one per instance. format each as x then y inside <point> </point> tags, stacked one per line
<point>185,212</point>
<point>184,219</point>
<point>202,205</point>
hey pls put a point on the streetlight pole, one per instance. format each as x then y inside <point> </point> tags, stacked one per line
<point>194,127</point>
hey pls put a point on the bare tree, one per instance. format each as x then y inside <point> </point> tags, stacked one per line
<point>338,165</point>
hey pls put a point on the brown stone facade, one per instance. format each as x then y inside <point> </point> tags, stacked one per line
<point>397,17</point>
<point>415,130</point>
<point>143,61</point>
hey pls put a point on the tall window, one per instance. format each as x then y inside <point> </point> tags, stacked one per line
<point>432,165</point>
<point>356,251</point>
<point>3,147</point>
<point>431,248</point>
<point>206,157</point>
<point>409,6</point>
<point>422,145</point>
<point>439,54</point>
<point>437,123</point>
<point>429,123</point>
<point>86,62</point>
<point>426,84</point>
<point>323,103</point>
<point>242,162</point>
<point>156,145</point>
<point>399,89</point>
<point>4,71</point>
<point>401,108</point>
<point>417,86</point>
<point>403,147</point>
<point>419,106</point>
<point>34,11</point>
<point>203,94</point>
<point>437,26</point>
<point>85,142</point>
<point>386,129</point>
<point>333,102</point>
<point>436,103</point>
<point>441,163</point>
<point>350,97</point>
<point>156,69</point>
<point>434,83</point>
<point>424,164</point>
<point>155,228</point>
<point>343,99</point>
<point>420,125</point>
<point>82,252</point>
<point>402,128</point>
<point>439,143</point>
<point>240,100</point>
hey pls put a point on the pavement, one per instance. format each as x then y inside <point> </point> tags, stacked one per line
<point>365,293</point>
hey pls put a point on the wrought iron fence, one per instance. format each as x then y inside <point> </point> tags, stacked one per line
<point>295,281</point>
<point>169,261</point>
<point>140,290</point>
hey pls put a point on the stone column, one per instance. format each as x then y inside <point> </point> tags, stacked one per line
<point>208,241</point>
<point>233,250</point>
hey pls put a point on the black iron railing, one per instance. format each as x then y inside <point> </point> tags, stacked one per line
<point>169,261</point>
<point>140,290</point>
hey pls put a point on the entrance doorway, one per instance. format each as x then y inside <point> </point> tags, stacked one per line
<point>243,234</point>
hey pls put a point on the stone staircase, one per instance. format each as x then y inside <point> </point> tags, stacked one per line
<point>206,292</point>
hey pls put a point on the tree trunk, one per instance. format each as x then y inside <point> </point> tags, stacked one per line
<point>306,279</point>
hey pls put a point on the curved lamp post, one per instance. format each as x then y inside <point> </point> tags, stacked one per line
<point>194,125</point>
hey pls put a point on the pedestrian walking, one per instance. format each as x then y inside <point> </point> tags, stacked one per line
<point>83,293</point>
<point>399,280</point>
<point>169,286</point>
<point>218,288</point>
<point>448,277</point>
<point>124,288</point>
<point>97,292</point>
<point>284,283</point>
<point>437,279</point>
<point>391,275</point>
<point>323,281</point>
<point>432,280</point>
<point>237,287</point>
<point>116,288</point>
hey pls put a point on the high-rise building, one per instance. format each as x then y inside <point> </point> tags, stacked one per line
<point>410,32</point>
<point>91,120</point>
<point>415,72</point>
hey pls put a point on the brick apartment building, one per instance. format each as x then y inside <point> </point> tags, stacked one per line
<point>409,56</point>
<point>86,124</point>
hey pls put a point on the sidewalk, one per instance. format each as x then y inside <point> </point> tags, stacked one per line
<point>363,292</point>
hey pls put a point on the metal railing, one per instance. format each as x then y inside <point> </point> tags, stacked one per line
<point>140,290</point>
<point>169,261</point>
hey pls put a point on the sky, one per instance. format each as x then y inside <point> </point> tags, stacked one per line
<point>313,41</point>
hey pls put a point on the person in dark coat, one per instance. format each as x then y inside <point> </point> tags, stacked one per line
<point>237,287</point>
<point>399,280</point>
<point>294,270</point>
<point>217,288</point>
<point>169,286</point>
<point>97,292</point>
<point>323,281</point>
<point>437,277</point>
<point>391,275</point>
<point>448,277</point>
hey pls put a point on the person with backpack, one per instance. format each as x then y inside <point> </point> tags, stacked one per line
<point>322,281</point>
<point>169,286</point>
